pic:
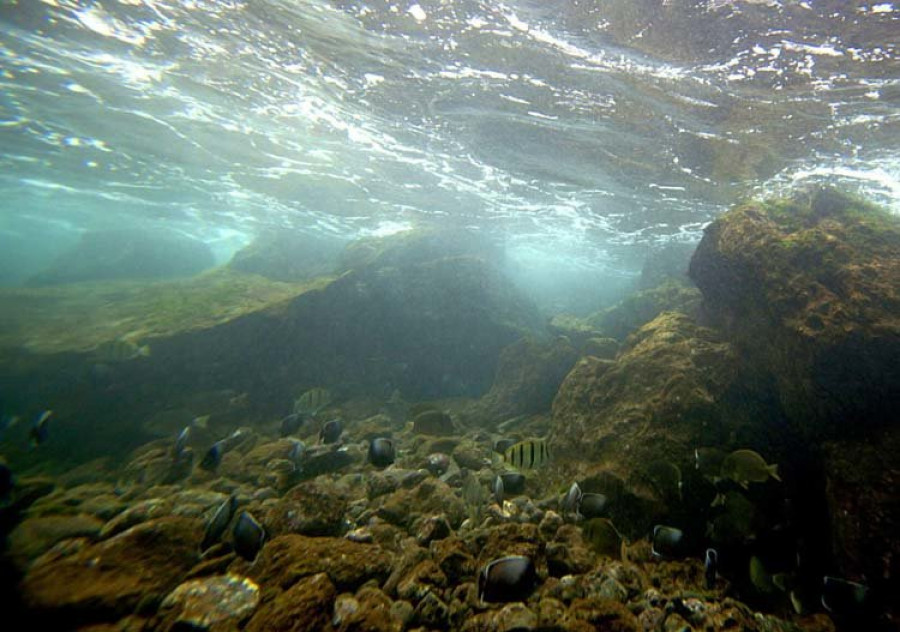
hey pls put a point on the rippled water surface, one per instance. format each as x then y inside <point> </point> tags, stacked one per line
<point>585,130</point>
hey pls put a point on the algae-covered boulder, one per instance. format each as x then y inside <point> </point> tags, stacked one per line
<point>643,306</point>
<point>663,396</point>
<point>128,254</point>
<point>288,255</point>
<point>415,247</point>
<point>108,580</point>
<point>809,289</point>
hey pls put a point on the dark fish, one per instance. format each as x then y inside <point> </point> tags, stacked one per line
<point>219,522</point>
<point>603,536</point>
<point>572,500</point>
<point>331,431</point>
<point>528,454</point>
<point>502,445</point>
<point>213,457</point>
<point>6,481</point>
<point>708,461</point>
<point>711,568</point>
<point>437,463</point>
<point>760,577</point>
<point>40,429</point>
<point>381,452</point>
<point>498,490</point>
<point>507,579</point>
<point>513,482</point>
<point>844,597</point>
<point>667,541</point>
<point>291,424</point>
<point>249,536</point>
<point>592,505</point>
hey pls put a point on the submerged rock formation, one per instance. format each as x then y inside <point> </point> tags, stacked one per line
<point>288,256</point>
<point>103,255</point>
<point>809,288</point>
<point>664,395</point>
<point>106,357</point>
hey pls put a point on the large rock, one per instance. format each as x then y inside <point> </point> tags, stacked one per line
<point>809,289</point>
<point>128,254</point>
<point>664,395</point>
<point>108,580</point>
<point>288,255</point>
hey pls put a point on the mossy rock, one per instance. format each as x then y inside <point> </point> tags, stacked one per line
<point>666,393</point>
<point>643,306</point>
<point>809,289</point>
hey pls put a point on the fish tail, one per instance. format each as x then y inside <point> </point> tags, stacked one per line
<point>773,472</point>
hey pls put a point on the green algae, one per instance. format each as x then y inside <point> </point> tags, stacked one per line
<point>78,317</point>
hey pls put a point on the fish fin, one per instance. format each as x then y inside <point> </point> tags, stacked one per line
<point>773,471</point>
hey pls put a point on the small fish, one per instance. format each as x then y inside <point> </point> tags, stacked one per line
<point>711,568</point>
<point>603,536</point>
<point>7,422</point>
<point>231,441</point>
<point>381,452</point>
<point>527,454</point>
<point>760,577</point>
<point>498,490</point>
<point>40,429</point>
<point>249,536</point>
<point>667,541</point>
<point>474,495</point>
<point>665,478</point>
<point>572,501</point>
<point>219,522</point>
<point>592,505</point>
<point>513,483</point>
<point>737,522</point>
<point>291,424</point>
<point>708,461</point>
<point>312,401</point>
<point>331,431</point>
<point>6,480</point>
<point>120,350</point>
<point>507,579</point>
<point>295,456</point>
<point>200,421</point>
<point>181,443</point>
<point>747,466</point>
<point>213,457</point>
<point>844,597</point>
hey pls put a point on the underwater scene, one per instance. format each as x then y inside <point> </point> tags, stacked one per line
<point>425,315</point>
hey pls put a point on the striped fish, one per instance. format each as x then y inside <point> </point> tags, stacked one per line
<point>312,401</point>
<point>529,454</point>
